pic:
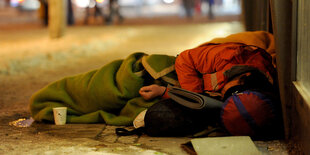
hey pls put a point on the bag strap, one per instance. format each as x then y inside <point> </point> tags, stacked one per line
<point>124,132</point>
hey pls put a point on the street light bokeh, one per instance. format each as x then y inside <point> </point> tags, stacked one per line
<point>27,5</point>
<point>14,12</point>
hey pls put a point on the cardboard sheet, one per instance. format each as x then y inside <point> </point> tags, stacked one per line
<point>235,145</point>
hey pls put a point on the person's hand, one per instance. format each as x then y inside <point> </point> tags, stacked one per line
<point>151,91</point>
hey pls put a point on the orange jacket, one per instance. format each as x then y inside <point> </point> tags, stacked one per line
<point>262,39</point>
<point>208,67</point>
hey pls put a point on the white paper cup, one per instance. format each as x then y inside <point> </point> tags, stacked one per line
<point>60,115</point>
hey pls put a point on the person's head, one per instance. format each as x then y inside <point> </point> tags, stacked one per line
<point>251,113</point>
<point>253,80</point>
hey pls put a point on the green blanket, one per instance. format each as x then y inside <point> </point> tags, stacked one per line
<point>109,94</point>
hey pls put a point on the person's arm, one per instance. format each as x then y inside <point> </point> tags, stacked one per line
<point>152,91</point>
<point>187,74</point>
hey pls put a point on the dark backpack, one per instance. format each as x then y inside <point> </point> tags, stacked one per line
<point>167,118</point>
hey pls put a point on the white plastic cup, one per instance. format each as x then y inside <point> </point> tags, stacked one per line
<point>60,115</point>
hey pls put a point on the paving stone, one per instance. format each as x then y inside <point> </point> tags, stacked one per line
<point>110,129</point>
<point>108,138</point>
<point>108,134</point>
<point>71,130</point>
<point>170,145</point>
<point>128,139</point>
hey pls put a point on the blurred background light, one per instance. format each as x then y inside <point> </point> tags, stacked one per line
<point>168,1</point>
<point>14,3</point>
<point>82,3</point>
<point>29,12</point>
<point>27,5</point>
<point>99,1</point>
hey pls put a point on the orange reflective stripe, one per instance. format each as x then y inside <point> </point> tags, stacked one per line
<point>214,81</point>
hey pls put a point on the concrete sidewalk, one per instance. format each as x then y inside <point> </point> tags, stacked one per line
<point>22,49</point>
<point>29,60</point>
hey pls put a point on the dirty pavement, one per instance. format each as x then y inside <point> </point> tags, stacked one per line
<point>29,60</point>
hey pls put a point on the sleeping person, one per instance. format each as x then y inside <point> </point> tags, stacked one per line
<point>117,92</point>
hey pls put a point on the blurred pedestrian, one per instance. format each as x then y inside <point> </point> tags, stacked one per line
<point>7,3</point>
<point>198,7</point>
<point>188,7</point>
<point>210,8</point>
<point>70,15</point>
<point>43,11</point>
<point>114,11</point>
<point>97,11</point>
